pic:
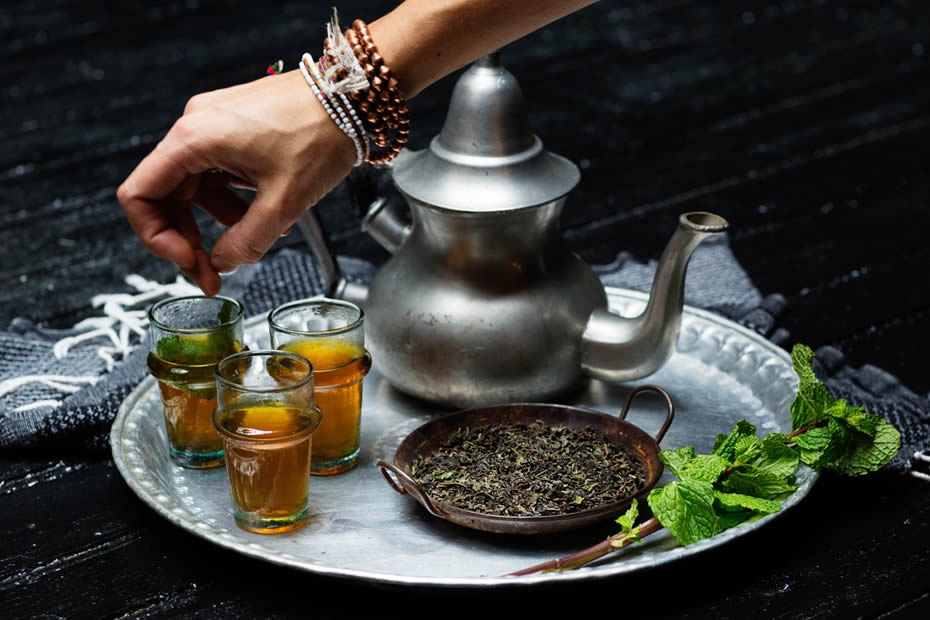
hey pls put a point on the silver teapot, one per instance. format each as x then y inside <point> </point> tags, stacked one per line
<point>482,302</point>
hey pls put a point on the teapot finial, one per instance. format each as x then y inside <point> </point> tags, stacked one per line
<point>489,60</point>
<point>486,158</point>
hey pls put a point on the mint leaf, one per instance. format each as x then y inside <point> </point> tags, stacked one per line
<point>628,534</point>
<point>746,449</point>
<point>812,398</point>
<point>813,444</point>
<point>686,509</point>
<point>197,349</point>
<point>706,467</point>
<point>856,417</point>
<point>751,480</point>
<point>675,460</point>
<point>822,445</point>
<point>779,460</point>
<point>226,312</point>
<point>730,502</point>
<point>863,454</point>
<point>726,520</point>
<point>726,445</point>
<point>626,521</point>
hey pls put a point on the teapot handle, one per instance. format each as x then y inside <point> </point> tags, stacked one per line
<point>668,400</point>
<point>382,219</point>
<point>311,227</point>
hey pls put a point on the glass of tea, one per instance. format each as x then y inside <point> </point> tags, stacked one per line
<point>331,334</point>
<point>190,335</point>
<point>267,418</point>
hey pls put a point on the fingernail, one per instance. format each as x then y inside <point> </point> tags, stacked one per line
<point>223,265</point>
<point>230,272</point>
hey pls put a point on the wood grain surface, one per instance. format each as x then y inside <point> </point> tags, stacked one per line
<point>805,123</point>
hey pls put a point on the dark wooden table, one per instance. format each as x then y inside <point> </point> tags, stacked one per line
<point>805,123</point>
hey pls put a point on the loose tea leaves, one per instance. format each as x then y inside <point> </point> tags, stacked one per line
<point>528,470</point>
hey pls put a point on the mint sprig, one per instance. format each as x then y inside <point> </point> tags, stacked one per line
<point>745,477</point>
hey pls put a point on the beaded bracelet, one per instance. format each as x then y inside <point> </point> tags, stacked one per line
<point>324,72</point>
<point>338,116</point>
<point>383,107</point>
<point>358,92</point>
<point>344,109</point>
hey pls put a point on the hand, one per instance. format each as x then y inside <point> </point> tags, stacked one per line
<point>271,135</point>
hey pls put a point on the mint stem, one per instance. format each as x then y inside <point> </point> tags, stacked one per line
<point>808,427</point>
<point>580,558</point>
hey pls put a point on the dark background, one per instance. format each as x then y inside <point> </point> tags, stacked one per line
<point>805,123</point>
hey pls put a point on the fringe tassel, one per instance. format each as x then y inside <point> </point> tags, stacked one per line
<point>342,58</point>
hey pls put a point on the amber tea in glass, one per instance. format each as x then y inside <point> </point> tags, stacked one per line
<point>331,334</point>
<point>267,418</point>
<point>190,335</point>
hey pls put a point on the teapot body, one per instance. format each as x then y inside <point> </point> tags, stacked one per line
<point>477,308</point>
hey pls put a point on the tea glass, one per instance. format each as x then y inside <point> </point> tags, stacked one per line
<point>190,335</point>
<point>331,334</point>
<point>267,418</point>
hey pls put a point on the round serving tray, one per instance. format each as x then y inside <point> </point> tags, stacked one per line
<point>359,528</point>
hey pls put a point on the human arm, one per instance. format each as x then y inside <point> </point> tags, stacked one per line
<point>272,135</point>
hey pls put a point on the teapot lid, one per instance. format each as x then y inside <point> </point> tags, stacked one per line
<point>486,158</point>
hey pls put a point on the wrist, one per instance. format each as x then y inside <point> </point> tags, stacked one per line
<point>317,123</point>
<point>425,40</point>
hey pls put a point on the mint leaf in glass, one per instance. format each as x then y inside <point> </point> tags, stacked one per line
<point>197,349</point>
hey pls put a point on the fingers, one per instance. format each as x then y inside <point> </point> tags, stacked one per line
<point>261,225</point>
<point>154,228</point>
<point>203,273</point>
<point>163,175</point>
<point>222,203</point>
<point>181,217</point>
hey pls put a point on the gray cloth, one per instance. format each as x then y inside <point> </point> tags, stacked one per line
<point>715,282</point>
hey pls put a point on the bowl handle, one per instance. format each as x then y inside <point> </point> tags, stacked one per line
<point>658,390</point>
<point>408,486</point>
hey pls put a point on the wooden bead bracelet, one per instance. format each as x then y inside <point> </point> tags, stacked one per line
<point>382,107</point>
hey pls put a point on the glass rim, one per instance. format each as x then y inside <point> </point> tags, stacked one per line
<point>226,383</point>
<point>275,442</point>
<point>320,301</point>
<point>240,310</point>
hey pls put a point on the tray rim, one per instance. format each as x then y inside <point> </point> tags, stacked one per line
<point>597,571</point>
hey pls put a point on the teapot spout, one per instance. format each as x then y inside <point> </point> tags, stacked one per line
<point>616,348</point>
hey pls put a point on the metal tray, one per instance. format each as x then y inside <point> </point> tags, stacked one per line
<point>361,529</point>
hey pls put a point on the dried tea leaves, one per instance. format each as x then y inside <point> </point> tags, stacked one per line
<point>528,470</point>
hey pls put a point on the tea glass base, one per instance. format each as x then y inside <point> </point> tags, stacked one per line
<point>196,460</point>
<point>336,466</point>
<point>276,525</point>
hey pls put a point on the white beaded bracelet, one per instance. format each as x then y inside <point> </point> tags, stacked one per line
<point>307,66</point>
<point>324,78</point>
